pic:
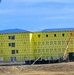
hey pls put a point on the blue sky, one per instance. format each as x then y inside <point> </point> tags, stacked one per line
<point>36,15</point>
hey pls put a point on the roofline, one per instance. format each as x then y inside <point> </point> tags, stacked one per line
<point>57,29</point>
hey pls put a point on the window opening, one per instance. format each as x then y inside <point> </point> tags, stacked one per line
<point>54,35</point>
<point>38,36</point>
<point>46,35</point>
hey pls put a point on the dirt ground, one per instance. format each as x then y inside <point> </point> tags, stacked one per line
<point>46,69</point>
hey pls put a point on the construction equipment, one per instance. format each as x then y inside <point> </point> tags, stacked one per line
<point>68,42</point>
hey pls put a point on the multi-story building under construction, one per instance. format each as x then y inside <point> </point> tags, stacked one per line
<point>49,44</point>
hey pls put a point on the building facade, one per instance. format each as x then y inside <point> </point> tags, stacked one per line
<point>28,46</point>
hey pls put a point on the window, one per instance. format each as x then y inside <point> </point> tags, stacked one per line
<point>51,50</point>
<point>59,42</point>
<point>63,42</point>
<point>54,35</point>
<point>42,43</point>
<point>24,50</point>
<point>63,34</point>
<point>35,43</point>
<point>47,50</point>
<point>1,44</point>
<point>38,50</point>
<point>1,51</point>
<point>38,36</point>
<point>46,35</point>
<point>43,50</point>
<point>55,42</point>
<point>51,42</point>
<point>11,44</point>
<point>59,49</point>
<point>71,41</point>
<point>16,51</point>
<point>55,50</point>
<point>24,42</point>
<point>63,49</point>
<point>39,43</point>
<point>13,51</point>
<point>35,51</point>
<point>47,42</point>
<point>11,37</point>
<point>71,34</point>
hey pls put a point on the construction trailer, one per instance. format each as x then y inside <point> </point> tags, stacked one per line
<point>47,46</point>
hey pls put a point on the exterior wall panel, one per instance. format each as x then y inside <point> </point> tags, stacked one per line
<point>31,45</point>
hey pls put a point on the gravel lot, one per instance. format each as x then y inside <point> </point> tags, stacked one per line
<point>44,69</point>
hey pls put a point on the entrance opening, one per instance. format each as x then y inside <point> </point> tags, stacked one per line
<point>71,56</point>
<point>13,59</point>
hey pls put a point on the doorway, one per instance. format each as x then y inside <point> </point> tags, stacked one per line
<point>13,59</point>
<point>71,56</point>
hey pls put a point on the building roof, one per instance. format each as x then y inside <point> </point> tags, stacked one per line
<point>12,31</point>
<point>45,30</point>
<point>58,29</point>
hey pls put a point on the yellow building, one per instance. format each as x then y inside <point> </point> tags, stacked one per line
<point>15,46</point>
<point>52,43</point>
<point>47,45</point>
